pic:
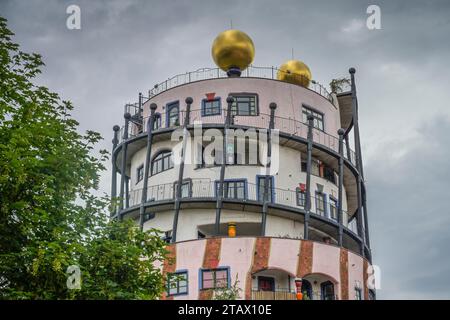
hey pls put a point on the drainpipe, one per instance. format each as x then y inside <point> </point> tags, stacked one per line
<point>150,122</point>
<point>266,201</point>
<point>308,177</point>
<point>115,141</point>
<point>341,183</point>
<point>178,197</point>
<point>219,196</point>
<point>358,160</point>
<point>127,117</point>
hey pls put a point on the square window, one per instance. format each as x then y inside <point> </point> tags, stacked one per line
<point>245,105</point>
<point>177,283</point>
<point>318,117</point>
<point>211,108</point>
<point>214,278</point>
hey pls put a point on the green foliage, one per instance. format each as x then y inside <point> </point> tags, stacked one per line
<point>49,217</point>
<point>231,293</point>
<point>338,85</point>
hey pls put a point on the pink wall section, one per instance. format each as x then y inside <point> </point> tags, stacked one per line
<point>355,273</point>
<point>326,261</point>
<point>284,255</point>
<point>189,255</point>
<point>288,97</point>
<point>237,253</point>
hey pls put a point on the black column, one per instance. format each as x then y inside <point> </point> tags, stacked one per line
<point>266,197</point>
<point>341,183</point>
<point>308,177</point>
<point>359,210</point>
<point>149,124</point>
<point>219,197</point>
<point>115,141</point>
<point>181,170</point>
<point>127,117</point>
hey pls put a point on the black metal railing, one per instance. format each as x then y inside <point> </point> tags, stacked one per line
<point>289,126</point>
<point>216,73</point>
<point>207,189</point>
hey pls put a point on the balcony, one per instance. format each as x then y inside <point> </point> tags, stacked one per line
<point>203,190</point>
<point>287,126</point>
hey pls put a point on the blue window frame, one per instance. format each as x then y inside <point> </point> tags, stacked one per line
<point>301,197</point>
<point>320,203</point>
<point>173,114</point>
<point>140,173</point>
<point>214,278</point>
<point>260,182</point>
<point>233,189</point>
<point>157,121</point>
<point>333,208</point>
<point>211,107</point>
<point>177,283</point>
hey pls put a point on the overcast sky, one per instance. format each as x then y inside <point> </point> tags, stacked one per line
<point>125,47</point>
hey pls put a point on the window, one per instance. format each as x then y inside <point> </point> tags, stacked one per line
<point>177,283</point>
<point>301,197</point>
<point>314,167</point>
<point>320,204</point>
<point>371,294</point>
<point>234,189</point>
<point>167,236</point>
<point>173,114</point>
<point>358,294</point>
<point>318,117</point>
<point>261,182</point>
<point>149,216</point>
<point>185,189</point>
<point>140,173</point>
<point>333,209</point>
<point>245,105</point>
<point>329,175</point>
<point>162,162</point>
<point>157,121</point>
<point>214,278</point>
<point>210,107</point>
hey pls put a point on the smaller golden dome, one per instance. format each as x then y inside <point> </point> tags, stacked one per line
<point>296,72</point>
<point>233,49</point>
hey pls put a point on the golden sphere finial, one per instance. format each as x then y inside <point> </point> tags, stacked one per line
<point>296,72</point>
<point>233,49</point>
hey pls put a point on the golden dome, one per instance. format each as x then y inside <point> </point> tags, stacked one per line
<point>233,48</point>
<point>294,71</point>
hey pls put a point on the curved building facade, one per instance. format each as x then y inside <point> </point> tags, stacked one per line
<point>255,182</point>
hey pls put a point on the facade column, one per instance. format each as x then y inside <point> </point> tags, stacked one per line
<point>266,198</point>
<point>148,154</point>
<point>115,142</point>
<point>308,177</point>
<point>178,194</point>
<point>340,185</point>
<point>219,196</point>
<point>359,182</point>
<point>127,117</point>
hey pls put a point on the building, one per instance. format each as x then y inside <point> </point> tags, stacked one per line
<point>228,213</point>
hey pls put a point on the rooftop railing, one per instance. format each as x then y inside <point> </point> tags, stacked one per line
<point>207,189</point>
<point>285,125</point>
<point>216,73</point>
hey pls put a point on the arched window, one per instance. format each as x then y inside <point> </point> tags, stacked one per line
<point>307,289</point>
<point>173,114</point>
<point>162,162</point>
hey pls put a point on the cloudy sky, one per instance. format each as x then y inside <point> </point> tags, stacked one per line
<point>125,47</point>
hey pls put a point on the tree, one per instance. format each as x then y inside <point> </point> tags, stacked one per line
<point>228,293</point>
<point>49,217</point>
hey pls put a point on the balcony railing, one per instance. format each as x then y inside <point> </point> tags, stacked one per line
<point>216,73</point>
<point>285,125</point>
<point>207,189</point>
<point>273,295</point>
